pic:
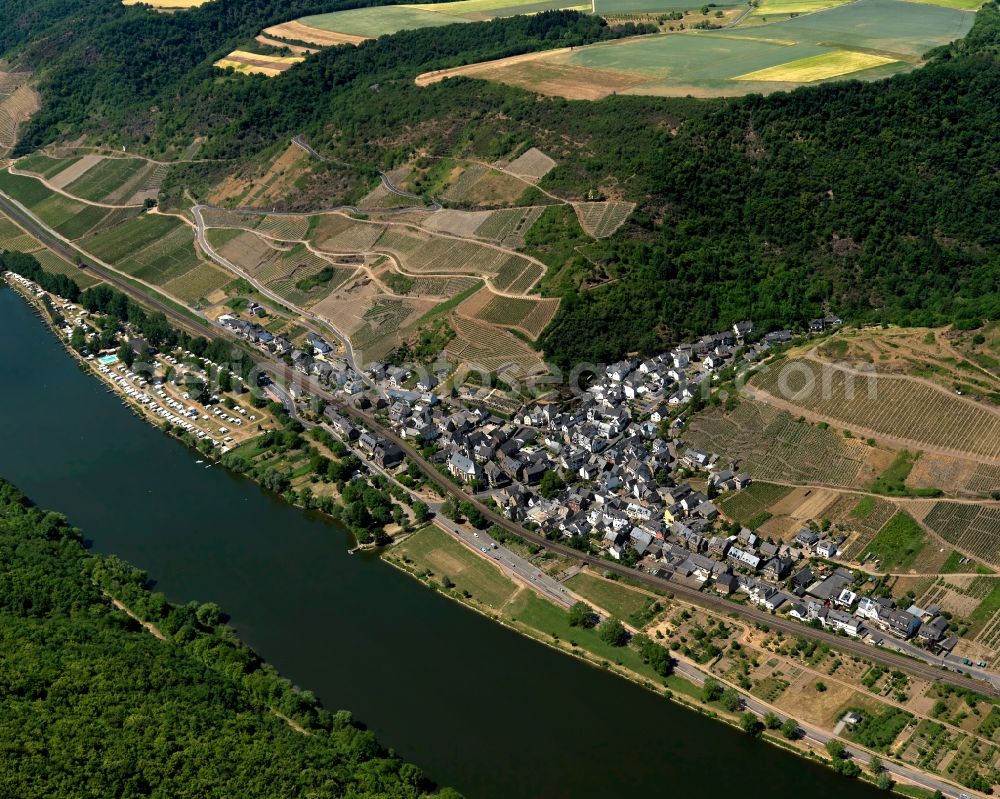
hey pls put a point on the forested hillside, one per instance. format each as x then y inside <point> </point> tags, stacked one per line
<point>870,200</point>
<point>93,705</point>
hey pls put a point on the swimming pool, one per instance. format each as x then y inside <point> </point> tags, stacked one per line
<point>107,360</point>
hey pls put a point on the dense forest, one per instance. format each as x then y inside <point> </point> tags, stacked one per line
<point>94,705</point>
<point>871,200</point>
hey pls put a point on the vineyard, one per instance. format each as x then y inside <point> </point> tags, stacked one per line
<point>164,259</point>
<point>340,234</point>
<point>480,345</point>
<point>865,515</point>
<point>480,185</point>
<point>772,445</point>
<point>55,265</point>
<point>516,275</point>
<point>972,528</point>
<point>381,322</point>
<point>601,220</point>
<point>285,228</point>
<point>197,284</point>
<point>438,286</point>
<point>435,255</point>
<point>13,238</point>
<point>16,107</point>
<point>70,218</point>
<point>45,166</point>
<point>112,180</point>
<point>752,502</point>
<point>528,315</point>
<point>509,226</point>
<point>532,164</point>
<point>890,406</point>
<point>985,479</point>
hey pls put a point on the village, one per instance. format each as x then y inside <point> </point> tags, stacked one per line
<point>606,474</point>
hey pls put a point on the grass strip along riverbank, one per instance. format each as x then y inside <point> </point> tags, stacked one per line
<point>609,641</point>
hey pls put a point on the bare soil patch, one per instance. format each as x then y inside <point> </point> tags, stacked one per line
<point>74,171</point>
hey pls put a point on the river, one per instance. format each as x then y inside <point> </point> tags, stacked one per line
<point>476,706</point>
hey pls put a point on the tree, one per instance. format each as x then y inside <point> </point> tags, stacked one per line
<point>884,782</point>
<point>875,764</point>
<point>731,700</point>
<point>771,721</point>
<point>790,729</point>
<point>613,632</point>
<point>551,484</point>
<point>581,615</point>
<point>126,354</point>
<point>710,690</point>
<point>209,614</point>
<point>835,749</point>
<point>421,512</point>
<point>78,339</point>
<point>749,724</point>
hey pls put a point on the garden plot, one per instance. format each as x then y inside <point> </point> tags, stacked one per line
<point>532,165</point>
<point>864,515</point>
<point>972,528</point>
<point>600,220</point>
<point>898,407</point>
<point>772,445</point>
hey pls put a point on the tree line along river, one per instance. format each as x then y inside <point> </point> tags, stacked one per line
<point>475,705</point>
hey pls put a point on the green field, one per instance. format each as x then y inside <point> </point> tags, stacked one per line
<point>71,218</point>
<point>378,21</point>
<point>530,611</point>
<point>44,165</point>
<point>864,39</point>
<point>27,191</point>
<point>117,244</point>
<point>616,598</point>
<point>612,7</point>
<point>432,548</point>
<point>898,544</point>
<point>385,20</point>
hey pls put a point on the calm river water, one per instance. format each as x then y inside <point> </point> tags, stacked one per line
<point>476,706</point>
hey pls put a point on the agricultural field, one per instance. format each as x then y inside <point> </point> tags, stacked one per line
<point>248,63</point>
<point>913,413</point>
<point>44,165</point>
<point>18,101</point>
<point>119,181</point>
<point>357,24</point>
<point>775,9</point>
<point>487,348</point>
<point>867,39</point>
<point>600,220</point>
<point>197,285</point>
<point>750,507</point>
<point>69,217</point>
<point>772,445</point>
<point>164,259</point>
<point>530,316</point>
<point>972,528</point>
<point>509,226</point>
<point>477,184</point>
<point>57,266</point>
<point>532,164</point>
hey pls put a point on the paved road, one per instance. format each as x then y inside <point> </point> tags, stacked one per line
<point>820,737</point>
<point>522,569</point>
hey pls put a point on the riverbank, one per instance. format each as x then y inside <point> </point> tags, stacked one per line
<point>534,608</point>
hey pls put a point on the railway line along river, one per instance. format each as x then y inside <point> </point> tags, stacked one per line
<point>477,706</point>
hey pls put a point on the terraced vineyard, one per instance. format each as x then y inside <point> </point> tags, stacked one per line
<point>483,346</point>
<point>601,220</point>
<point>286,228</point>
<point>773,446</point>
<point>45,166</point>
<point>113,180</point>
<point>528,315</point>
<point>480,185</point>
<point>972,528</point>
<point>508,226</point>
<point>338,234</point>
<point>382,321</point>
<point>17,103</point>
<point>532,164</point>
<point>891,406</point>
<point>197,284</point>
